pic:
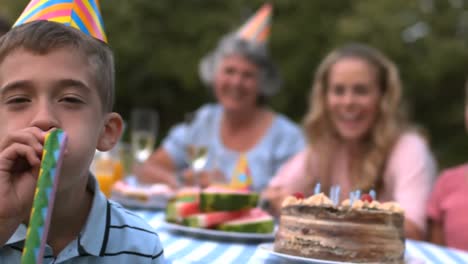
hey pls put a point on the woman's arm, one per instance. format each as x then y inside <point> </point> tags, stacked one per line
<point>289,179</point>
<point>164,163</point>
<point>274,196</point>
<point>412,231</point>
<point>408,179</point>
<point>159,168</point>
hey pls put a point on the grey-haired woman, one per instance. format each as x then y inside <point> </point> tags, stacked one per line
<point>240,124</point>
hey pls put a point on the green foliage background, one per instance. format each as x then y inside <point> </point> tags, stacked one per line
<point>158,45</point>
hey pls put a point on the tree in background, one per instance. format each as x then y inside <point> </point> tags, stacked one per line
<point>428,40</point>
<point>158,45</point>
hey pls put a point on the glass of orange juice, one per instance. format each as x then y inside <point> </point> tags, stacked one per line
<point>118,171</point>
<point>104,170</point>
<point>105,183</point>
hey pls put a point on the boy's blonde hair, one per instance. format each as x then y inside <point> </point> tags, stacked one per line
<point>42,37</point>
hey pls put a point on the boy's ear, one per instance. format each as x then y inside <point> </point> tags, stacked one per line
<point>111,133</point>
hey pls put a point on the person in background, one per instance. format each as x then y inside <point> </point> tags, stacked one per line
<point>56,76</point>
<point>447,207</point>
<point>359,138</point>
<point>240,127</point>
<point>4,26</point>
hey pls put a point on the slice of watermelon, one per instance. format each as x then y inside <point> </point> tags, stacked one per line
<point>207,220</point>
<point>226,199</point>
<point>255,221</point>
<point>177,210</point>
<point>188,194</point>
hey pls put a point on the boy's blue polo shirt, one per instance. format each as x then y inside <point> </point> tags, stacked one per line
<point>111,235</point>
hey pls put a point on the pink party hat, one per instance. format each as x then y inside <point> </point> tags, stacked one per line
<point>257,28</point>
<point>84,15</point>
<point>241,178</point>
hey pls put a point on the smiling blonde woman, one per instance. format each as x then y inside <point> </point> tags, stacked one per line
<point>359,137</point>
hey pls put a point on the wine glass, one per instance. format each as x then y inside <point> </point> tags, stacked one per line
<point>197,145</point>
<point>144,128</point>
<point>198,156</point>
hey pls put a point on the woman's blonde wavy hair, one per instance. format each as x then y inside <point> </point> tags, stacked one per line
<point>391,121</point>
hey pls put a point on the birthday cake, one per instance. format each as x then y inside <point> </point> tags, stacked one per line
<point>360,230</point>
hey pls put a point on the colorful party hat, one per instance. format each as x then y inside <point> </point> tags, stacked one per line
<point>241,178</point>
<point>84,15</point>
<point>257,28</point>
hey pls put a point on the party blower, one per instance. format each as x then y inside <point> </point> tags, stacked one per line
<point>41,212</point>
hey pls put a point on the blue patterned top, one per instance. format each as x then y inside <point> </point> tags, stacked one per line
<point>282,140</point>
<point>111,235</point>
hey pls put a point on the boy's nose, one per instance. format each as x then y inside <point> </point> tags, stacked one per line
<point>45,118</point>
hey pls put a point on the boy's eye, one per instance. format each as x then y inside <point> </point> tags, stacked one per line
<point>72,100</point>
<point>17,100</point>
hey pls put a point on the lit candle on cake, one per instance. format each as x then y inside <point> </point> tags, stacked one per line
<point>337,195</point>
<point>334,190</point>
<point>373,194</point>
<point>317,188</point>
<point>358,194</point>
<point>351,198</point>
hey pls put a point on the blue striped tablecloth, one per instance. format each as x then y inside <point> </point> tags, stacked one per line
<point>180,248</point>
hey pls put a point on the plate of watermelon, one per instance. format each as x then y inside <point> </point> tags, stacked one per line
<point>215,233</point>
<point>219,212</point>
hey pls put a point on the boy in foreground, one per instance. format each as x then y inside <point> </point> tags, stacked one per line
<point>55,76</point>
